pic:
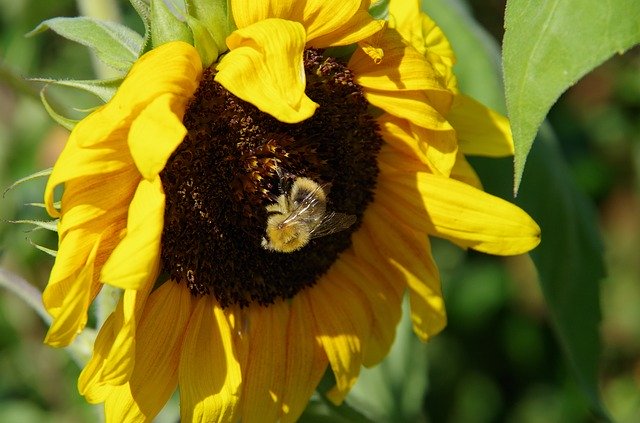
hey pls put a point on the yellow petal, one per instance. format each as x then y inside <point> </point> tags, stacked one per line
<point>89,383</point>
<point>410,253</point>
<point>115,347</point>
<point>82,162</point>
<point>342,325</point>
<point>84,226</point>
<point>264,68</point>
<point>97,144</point>
<point>413,106</point>
<point>118,364</point>
<point>420,30</point>
<point>402,67</point>
<point>481,131</point>
<point>156,133</point>
<point>158,343</point>
<point>71,315</point>
<point>463,172</point>
<point>246,13</point>
<point>436,149</point>
<point>263,375</point>
<point>384,300</point>
<point>359,27</point>
<point>209,375</point>
<point>74,281</point>
<point>465,215</point>
<point>85,205</point>
<point>137,255</point>
<point>327,22</point>
<point>305,362</point>
<point>173,68</point>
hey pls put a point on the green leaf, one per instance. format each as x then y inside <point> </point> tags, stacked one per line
<point>548,46</point>
<point>569,259</point>
<point>61,120</point>
<point>101,88</point>
<point>166,25</point>
<point>114,44</point>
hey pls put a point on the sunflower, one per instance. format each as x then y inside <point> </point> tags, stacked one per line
<point>169,187</point>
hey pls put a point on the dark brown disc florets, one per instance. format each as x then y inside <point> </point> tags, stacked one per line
<point>236,160</point>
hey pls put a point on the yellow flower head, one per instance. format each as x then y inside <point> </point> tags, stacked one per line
<point>171,188</point>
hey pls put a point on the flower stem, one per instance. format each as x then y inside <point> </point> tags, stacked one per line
<point>105,10</point>
<point>27,292</point>
<point>81,348</point>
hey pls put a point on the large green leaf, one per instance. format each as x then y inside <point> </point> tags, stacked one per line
<point>548,46</point>
<point>114,44</point>
<point>569,259</point>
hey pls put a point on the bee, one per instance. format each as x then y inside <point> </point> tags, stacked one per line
<point>301,215</point>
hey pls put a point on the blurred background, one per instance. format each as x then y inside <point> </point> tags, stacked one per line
<point>497,360</point>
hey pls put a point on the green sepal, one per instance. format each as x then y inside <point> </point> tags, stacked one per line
<point>167,25</point>
<point>216,17</point>
<point>56,205</point>
<point>50,225</point>
<point>104,89</point>
<point>114,44</point>
<point>36,175</point>
<point>144,12</point>
<point>203,42</point>
<point>52,253</point>
<point>65,122</point>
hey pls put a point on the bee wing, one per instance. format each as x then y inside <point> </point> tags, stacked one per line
<point>332,223</point>
<point>303,210</point>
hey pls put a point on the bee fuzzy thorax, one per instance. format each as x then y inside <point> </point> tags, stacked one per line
<point>301,215</point>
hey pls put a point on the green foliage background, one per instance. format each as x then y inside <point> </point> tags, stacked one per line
<point>499,358</point>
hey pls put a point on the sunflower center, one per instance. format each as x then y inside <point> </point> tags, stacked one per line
<point>257,209</point>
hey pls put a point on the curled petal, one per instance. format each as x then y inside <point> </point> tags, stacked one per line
<point>156,133</point>
<point>264,68</point>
